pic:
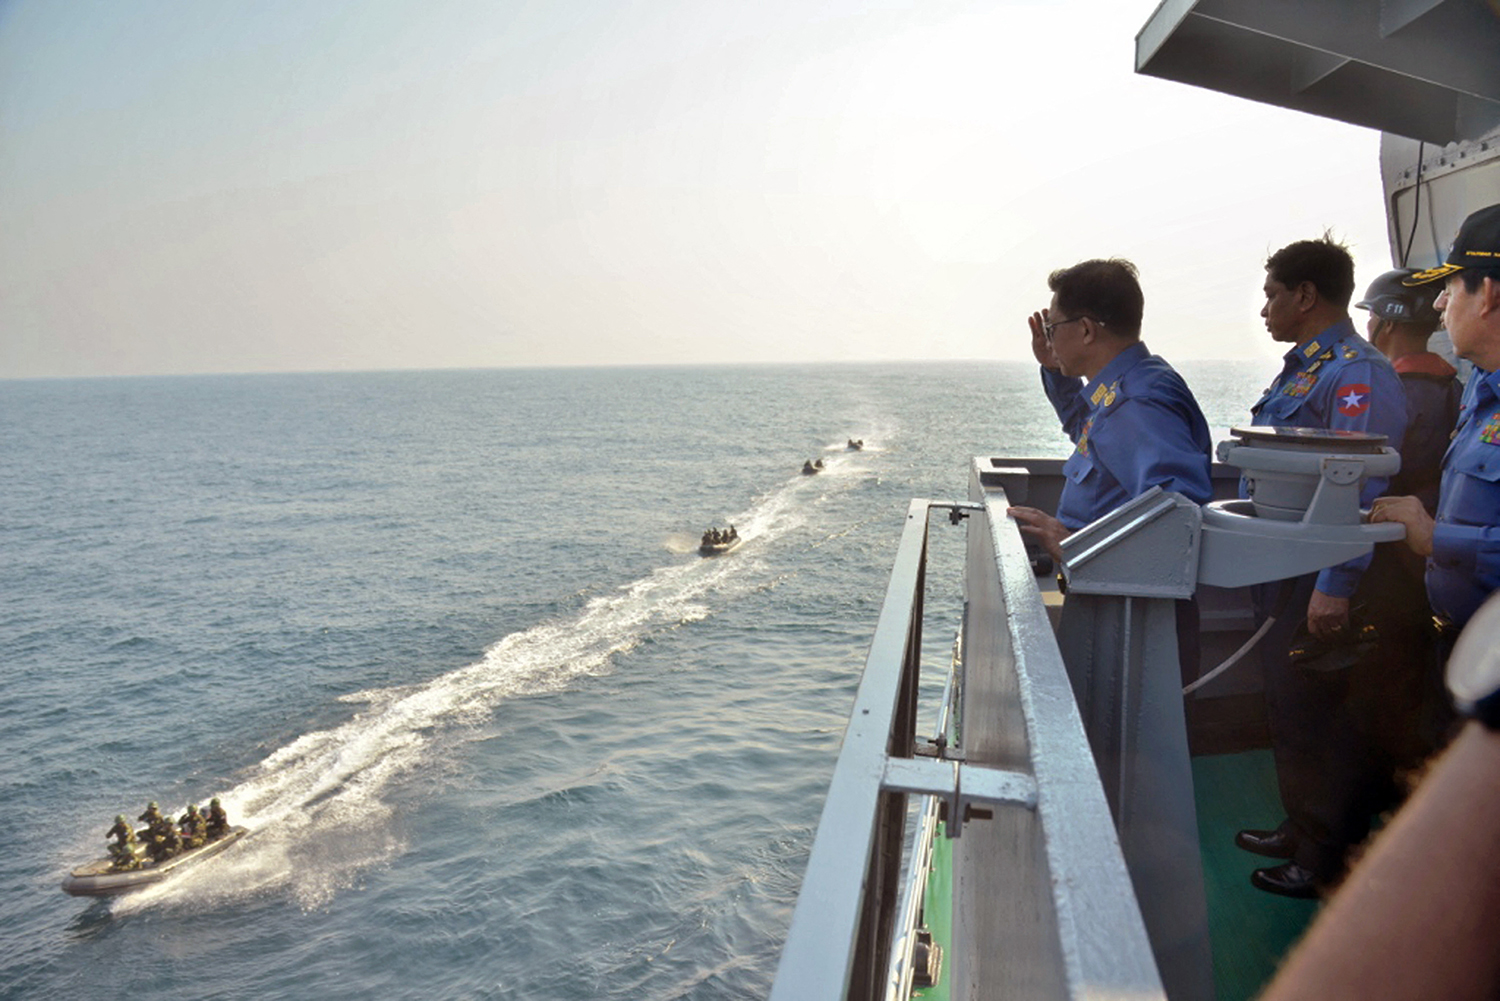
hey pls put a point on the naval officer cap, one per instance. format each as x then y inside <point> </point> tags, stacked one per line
<point>1476,246</point>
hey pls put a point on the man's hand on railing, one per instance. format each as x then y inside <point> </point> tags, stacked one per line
<point>1043,527</point>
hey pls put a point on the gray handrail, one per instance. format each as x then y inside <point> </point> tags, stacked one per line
<point>1043,903</point>
<point>845,926</point>
<point>834,949</point>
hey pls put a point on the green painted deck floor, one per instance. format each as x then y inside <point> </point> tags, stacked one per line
<point>1250,930</point>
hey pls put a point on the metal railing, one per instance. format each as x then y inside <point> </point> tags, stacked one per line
<point>844,926</point>
<point>1043,905</point>
<point>901,971</point>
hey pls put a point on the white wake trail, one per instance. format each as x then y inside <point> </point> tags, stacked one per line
<point>316,807</point>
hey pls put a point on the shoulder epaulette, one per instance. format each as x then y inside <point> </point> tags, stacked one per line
<point>1105,395</point>
<point>1318,363</point>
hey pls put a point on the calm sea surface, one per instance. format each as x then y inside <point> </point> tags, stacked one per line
<point>443,641</point>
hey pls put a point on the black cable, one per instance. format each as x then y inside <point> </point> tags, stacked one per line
<point>1416,208</point>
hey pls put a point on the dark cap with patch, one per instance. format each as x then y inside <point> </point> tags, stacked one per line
<point>1476,246</point>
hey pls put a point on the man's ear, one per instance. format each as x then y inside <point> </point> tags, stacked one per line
<point>1307,296</point>
<point>1489,301</point>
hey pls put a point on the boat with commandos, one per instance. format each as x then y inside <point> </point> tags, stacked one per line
<point>720,548</point>
<point>717,542</point>
<point>101,878</point>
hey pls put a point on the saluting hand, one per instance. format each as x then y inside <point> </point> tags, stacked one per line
<point>1040,346</point>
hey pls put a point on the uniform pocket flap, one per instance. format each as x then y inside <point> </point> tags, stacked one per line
<point>1481,461</point>
<point>1078,467</point>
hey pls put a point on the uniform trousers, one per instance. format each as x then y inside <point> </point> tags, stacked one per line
<point>1341,738</point>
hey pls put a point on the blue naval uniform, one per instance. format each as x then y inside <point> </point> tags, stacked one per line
<point>1464,567</point>
<point>1136,425</point>
<point>1331,767</point>
<point>1338,380</point>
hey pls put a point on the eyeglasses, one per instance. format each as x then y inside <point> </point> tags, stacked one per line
<point>1048,327</point>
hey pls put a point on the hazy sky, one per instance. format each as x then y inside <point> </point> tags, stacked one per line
<point>220,186</point>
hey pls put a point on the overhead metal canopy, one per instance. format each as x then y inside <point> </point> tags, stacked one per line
<point>1427,69</point>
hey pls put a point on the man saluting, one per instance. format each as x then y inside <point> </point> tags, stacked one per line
<point>1133,421</point>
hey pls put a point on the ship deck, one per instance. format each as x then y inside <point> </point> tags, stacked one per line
<point>1251,931</point>
<point>1056,884</point>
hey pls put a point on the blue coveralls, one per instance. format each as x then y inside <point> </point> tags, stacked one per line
<point>1136,425</point>
<point>1329,778</point>
<point>1464,567</point>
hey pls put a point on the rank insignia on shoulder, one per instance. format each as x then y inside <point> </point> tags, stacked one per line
<point>1350,353</point>
<point>1490,433</point>
<point>1311,349</point>
<point>1098,394</point>
<point>1300,385</point>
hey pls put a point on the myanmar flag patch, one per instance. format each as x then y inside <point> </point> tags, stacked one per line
<point>1354,399</point>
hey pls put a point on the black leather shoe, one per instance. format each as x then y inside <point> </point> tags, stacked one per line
<point>1272,844</point>
<point>1288,879</point>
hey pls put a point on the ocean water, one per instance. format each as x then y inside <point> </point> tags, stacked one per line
<point>443,641</point>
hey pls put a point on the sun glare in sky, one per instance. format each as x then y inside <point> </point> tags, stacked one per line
<point>285,186</point>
